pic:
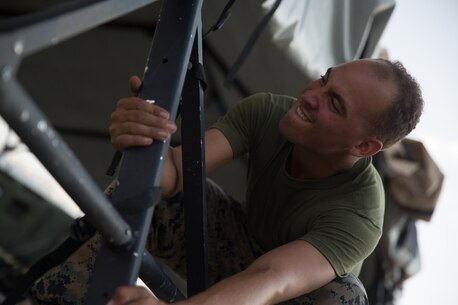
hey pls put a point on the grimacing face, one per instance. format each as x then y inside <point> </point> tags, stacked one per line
<point>331,114</point>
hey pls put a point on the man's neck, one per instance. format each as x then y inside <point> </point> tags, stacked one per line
<point>304,164</point>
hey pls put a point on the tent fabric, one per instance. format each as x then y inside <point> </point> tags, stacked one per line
<point>320,34</point>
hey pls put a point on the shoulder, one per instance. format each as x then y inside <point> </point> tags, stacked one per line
<point>267,99</point>
<point>263,105</point>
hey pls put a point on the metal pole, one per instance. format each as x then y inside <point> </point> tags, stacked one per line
<point>141,168</point>
<point>194,186</point>
<point>157,280</point>
<point>24,117</point>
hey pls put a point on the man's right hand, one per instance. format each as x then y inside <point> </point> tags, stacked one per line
<point>136,122</point>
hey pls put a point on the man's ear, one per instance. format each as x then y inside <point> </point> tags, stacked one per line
<point>367,148</point>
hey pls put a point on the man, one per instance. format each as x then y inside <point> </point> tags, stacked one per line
<point>314,205</point>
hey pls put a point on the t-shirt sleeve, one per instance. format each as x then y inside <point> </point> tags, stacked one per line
<point>345,238</point>
<point>243,121</point>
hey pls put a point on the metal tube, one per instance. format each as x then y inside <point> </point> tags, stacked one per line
<point>157,280</point>
<point>24,117</point>
<point>194,186</point>
<point>141,167</point>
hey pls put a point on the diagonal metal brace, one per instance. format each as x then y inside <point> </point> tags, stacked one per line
<point>141,168</point>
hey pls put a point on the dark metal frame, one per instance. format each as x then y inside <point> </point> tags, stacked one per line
<point>118,262</point>
<point>194,186</point>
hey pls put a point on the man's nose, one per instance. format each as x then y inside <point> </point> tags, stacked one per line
<point>313,99</point>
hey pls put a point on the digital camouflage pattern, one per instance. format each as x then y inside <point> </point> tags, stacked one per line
<point>67,283</point>
<point>231,250</point>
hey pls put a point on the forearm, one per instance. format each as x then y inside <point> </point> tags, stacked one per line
<point>281,274</point>
<point>250,287</point>
<point>171,179</point>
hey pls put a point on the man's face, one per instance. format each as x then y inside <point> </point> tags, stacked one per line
<point>331,114</point>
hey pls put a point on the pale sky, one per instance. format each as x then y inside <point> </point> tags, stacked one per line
<point>424,36</point>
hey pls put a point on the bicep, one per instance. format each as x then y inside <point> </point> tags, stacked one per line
<point>218,150</point>
<point>345,237</point>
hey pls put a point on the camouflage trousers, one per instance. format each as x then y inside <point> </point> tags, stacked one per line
<point>231,250</point>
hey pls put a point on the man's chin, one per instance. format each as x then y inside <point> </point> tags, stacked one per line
<point>286,130</point>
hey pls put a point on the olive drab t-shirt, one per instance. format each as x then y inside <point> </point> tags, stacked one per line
<point>341,215</point>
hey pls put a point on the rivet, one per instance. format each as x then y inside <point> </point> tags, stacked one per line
<point>18,47</point>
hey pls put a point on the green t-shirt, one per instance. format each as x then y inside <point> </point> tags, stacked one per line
<point>341,215</point>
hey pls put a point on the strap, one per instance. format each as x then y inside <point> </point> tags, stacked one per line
<point>115,160</point>
<point>225,14</point>
<point>198,71</point>
<point>249,45</point>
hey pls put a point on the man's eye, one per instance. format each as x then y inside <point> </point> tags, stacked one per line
<point>333,102</point>
<point>334,105</point>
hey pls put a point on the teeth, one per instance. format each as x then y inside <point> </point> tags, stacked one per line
<point>301,114</point>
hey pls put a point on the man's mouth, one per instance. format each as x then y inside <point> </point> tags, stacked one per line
<point>300,112</point>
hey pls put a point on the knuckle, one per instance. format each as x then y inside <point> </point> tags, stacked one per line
<point>114,130</point>
<point>115,141</point>
<point>137,116</point>
<point>115,116</point>
<point>120,103</point>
